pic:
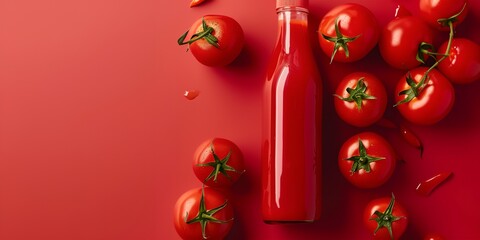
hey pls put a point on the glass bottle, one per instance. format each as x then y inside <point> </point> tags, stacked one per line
<point>291,151</point>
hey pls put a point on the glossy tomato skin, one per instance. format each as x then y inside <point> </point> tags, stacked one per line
<point>381,204</point>
<point>462,65</point>
<point>376,146</point>
<point>400,40</point>
<point>433,10</point>
<point>230,40</point>
<point>187,207</point>
<point>226,151</point>
<point>371,109</point>
<point>354,20</point>
<point>432,104</point>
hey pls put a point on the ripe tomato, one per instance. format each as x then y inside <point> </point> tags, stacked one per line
<point>203,213</point>
<point>348,32</point>
<point>385,218</point>
<point>367,160</point>
<point>214,40</point>
<point>462,65</point>
<point>405,42</point>
<point>433,100</point>
<point>361,99</point>
<point>437,12</point>
<point>218,162</point>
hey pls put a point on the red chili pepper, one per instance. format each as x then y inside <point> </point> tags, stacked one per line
<point>411,138</point>
<point>424,188</point>
<point>194,3</point>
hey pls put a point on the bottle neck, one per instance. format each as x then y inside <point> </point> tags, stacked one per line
<point>292,28</point>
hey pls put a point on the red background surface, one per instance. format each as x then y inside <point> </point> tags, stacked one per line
<point>96,137</point>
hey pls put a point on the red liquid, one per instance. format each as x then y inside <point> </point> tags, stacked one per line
<point>426,187</point>
<point>191,94</point>
<point>292,128</point>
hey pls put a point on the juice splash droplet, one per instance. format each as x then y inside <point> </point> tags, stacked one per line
<point>426,187</point>
<point>411,138</point>
<point>191,94</point>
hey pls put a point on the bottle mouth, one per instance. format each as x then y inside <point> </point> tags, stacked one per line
<point>296,5</point>
<point>292,3</point>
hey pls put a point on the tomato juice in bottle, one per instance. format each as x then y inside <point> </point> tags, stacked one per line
<point>291,151</point>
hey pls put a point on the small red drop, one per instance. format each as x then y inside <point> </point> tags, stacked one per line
<point>191,94</point>
<point>426,187</point>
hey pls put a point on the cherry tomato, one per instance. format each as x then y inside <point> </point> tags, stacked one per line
<point>367,160</point>
<point>424,103</point>
<point>385,218</point>
<point>438,12</point>
<point>218,162</point>
<point>214,40</point>
<point>348,32</point>
<point>462,65</point>
<point>361,99</point>
<point>405,42</point>
<point>203,213</point>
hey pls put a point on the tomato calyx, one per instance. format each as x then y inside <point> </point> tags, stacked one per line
<point>425,49</point>
<point>363,160</point>
<point>445,22</point>
<point>205,216</point>
<point>357,94</point>
<point>205,34</point>
<point>340,41</point>
<point>386,218</point>
<point>220,166</point>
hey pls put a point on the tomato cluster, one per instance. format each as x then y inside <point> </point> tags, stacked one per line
<point>424,95</point>
<point>205,213</point>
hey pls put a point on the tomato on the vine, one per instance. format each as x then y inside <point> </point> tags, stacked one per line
<point>462,65</point>
<point>422,98</point>
<point>406,42</point>
<point>361,99</point>
<point>367,160</point>
<point>437,13</point>
<point>214,40</point>
<point>385,218</point>
<point>218,162</point>
<point>203,213</point>
<point>348,32</point>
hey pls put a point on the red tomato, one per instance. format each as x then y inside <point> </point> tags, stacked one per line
<point>433,101</point>
<point>203,213</point>
<point>367,160</point>
<point>462,65</point>
<point>385,218</point>
<point>348,32</point>
<point>444,10</point>
<point>404,42</point>
<point>215,40</point>
<point>218,162</point>
<point>361,99</point>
